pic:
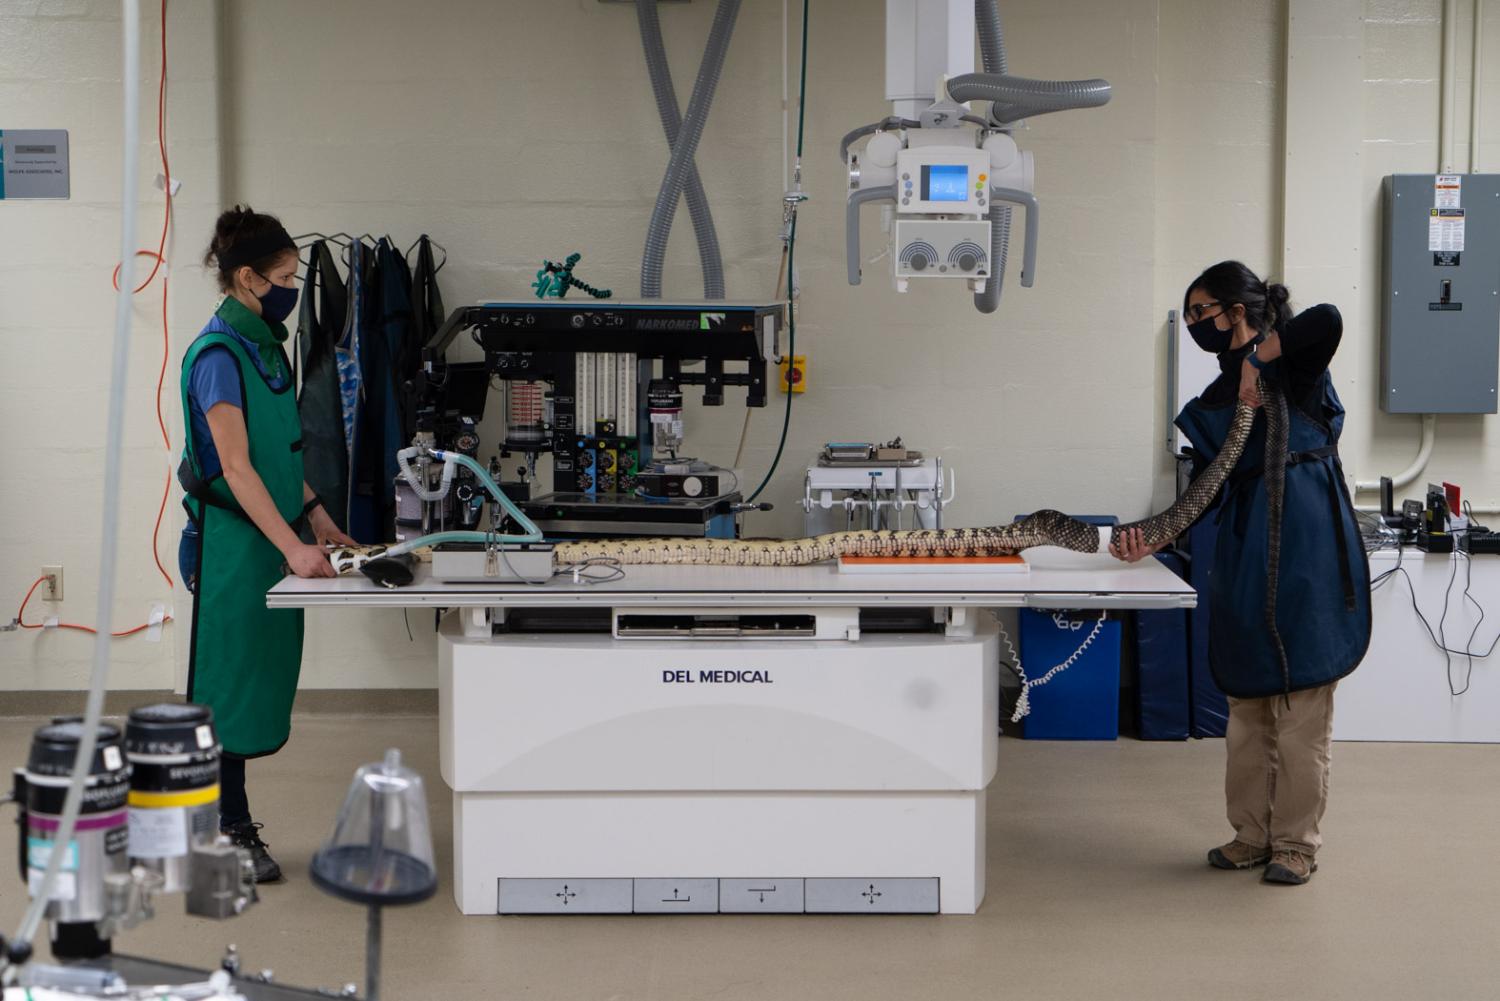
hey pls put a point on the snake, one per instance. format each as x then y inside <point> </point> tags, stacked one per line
<point>1041,528</point>
<point>1278,447</point>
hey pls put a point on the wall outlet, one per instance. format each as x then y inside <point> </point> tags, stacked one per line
<point>52,589</point>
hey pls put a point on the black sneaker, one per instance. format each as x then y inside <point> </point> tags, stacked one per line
<point>247,836</point>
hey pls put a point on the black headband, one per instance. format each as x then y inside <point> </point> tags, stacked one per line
<point>254,248</point>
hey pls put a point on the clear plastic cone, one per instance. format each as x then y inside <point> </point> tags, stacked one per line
<point>381,849</point>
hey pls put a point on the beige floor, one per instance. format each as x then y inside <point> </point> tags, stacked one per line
<point>1097,889</point>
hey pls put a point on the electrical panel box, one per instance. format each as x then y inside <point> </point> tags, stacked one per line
<point>1440,329</point>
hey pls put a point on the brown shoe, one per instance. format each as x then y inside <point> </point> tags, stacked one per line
<point>1238,855</point>
<point>1290,867</point>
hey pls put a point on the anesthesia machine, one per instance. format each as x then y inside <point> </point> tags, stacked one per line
<point>598,387</point>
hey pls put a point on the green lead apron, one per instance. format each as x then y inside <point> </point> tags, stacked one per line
<point>246,657</point>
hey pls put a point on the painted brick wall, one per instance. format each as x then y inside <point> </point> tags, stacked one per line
<point>1402,66</point>
<point>510,138</point>
<point>60,68</point>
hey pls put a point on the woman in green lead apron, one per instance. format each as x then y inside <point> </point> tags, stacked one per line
<point>247,501</point>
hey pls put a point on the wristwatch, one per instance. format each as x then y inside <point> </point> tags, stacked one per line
<point>1255,362</point>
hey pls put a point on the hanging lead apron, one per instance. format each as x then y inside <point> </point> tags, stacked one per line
<point>360,350</point>
<point>320,401</point>
<point>347,354</point>
<point>383,388</point>
<point>245,657</point>
<point>399,324</point>
<point>427,317</point>
<point>1323,597</point>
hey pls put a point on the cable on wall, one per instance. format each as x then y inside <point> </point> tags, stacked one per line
<point>159,259</point>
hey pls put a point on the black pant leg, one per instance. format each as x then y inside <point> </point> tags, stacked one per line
<point>234,804</point>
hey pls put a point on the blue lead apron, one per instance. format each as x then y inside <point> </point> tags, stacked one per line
<point>1323,601</point>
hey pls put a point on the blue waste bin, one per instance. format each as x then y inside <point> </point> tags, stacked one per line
<point>1082,702</point>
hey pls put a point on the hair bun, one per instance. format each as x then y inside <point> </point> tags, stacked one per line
<point>1278,293</point>
<point>235,228</point>
<point>231,221</point>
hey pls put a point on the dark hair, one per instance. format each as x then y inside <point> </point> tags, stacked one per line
<point>242,227</point>
<point>1267,305</point>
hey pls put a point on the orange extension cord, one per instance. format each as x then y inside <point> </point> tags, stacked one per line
<point>159,256</point>
<point>69,625</point>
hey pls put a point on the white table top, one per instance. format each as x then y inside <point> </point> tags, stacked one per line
<point>1057,579</point>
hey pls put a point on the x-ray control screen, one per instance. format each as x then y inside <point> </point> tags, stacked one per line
<point>945,182</point>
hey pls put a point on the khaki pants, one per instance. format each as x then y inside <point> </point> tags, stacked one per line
<point>1276,782</point>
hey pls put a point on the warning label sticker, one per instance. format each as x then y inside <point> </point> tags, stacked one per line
<point>158,833</point>
<point>1447,191</point>
<point>65,889</point>
<point>1445,230</point>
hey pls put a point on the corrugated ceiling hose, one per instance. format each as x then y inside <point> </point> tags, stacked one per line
<point>991,37</point>
<point>1015,98</point>
<point>989,300</point>
<point>854,135</point>
<point>671,122</point>
<point>686,147</point>
<point>992,52</point>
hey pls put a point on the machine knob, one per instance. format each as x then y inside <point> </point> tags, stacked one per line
<point>966,261</point>
<point>578,320</point>
<point>919,262</point>
<point>692,486</point>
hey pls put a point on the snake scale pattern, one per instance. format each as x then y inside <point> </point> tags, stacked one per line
<point>1278,445</point>
<point>1043,528</point>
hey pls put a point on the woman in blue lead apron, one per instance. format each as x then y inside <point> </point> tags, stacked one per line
<point>247,502</point>
<point>1280,713</point>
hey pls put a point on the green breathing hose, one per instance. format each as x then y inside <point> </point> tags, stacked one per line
<point>532,533</point>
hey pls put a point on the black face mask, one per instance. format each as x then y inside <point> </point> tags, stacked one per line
<point>277,303</point>
<point>1209,337</point>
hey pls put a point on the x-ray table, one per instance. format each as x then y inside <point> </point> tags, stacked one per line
<point>725,739</point>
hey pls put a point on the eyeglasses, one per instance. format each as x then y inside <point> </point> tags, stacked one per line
<point>1195,312</point>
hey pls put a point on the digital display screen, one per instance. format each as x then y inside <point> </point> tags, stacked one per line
<point>945,182</point>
